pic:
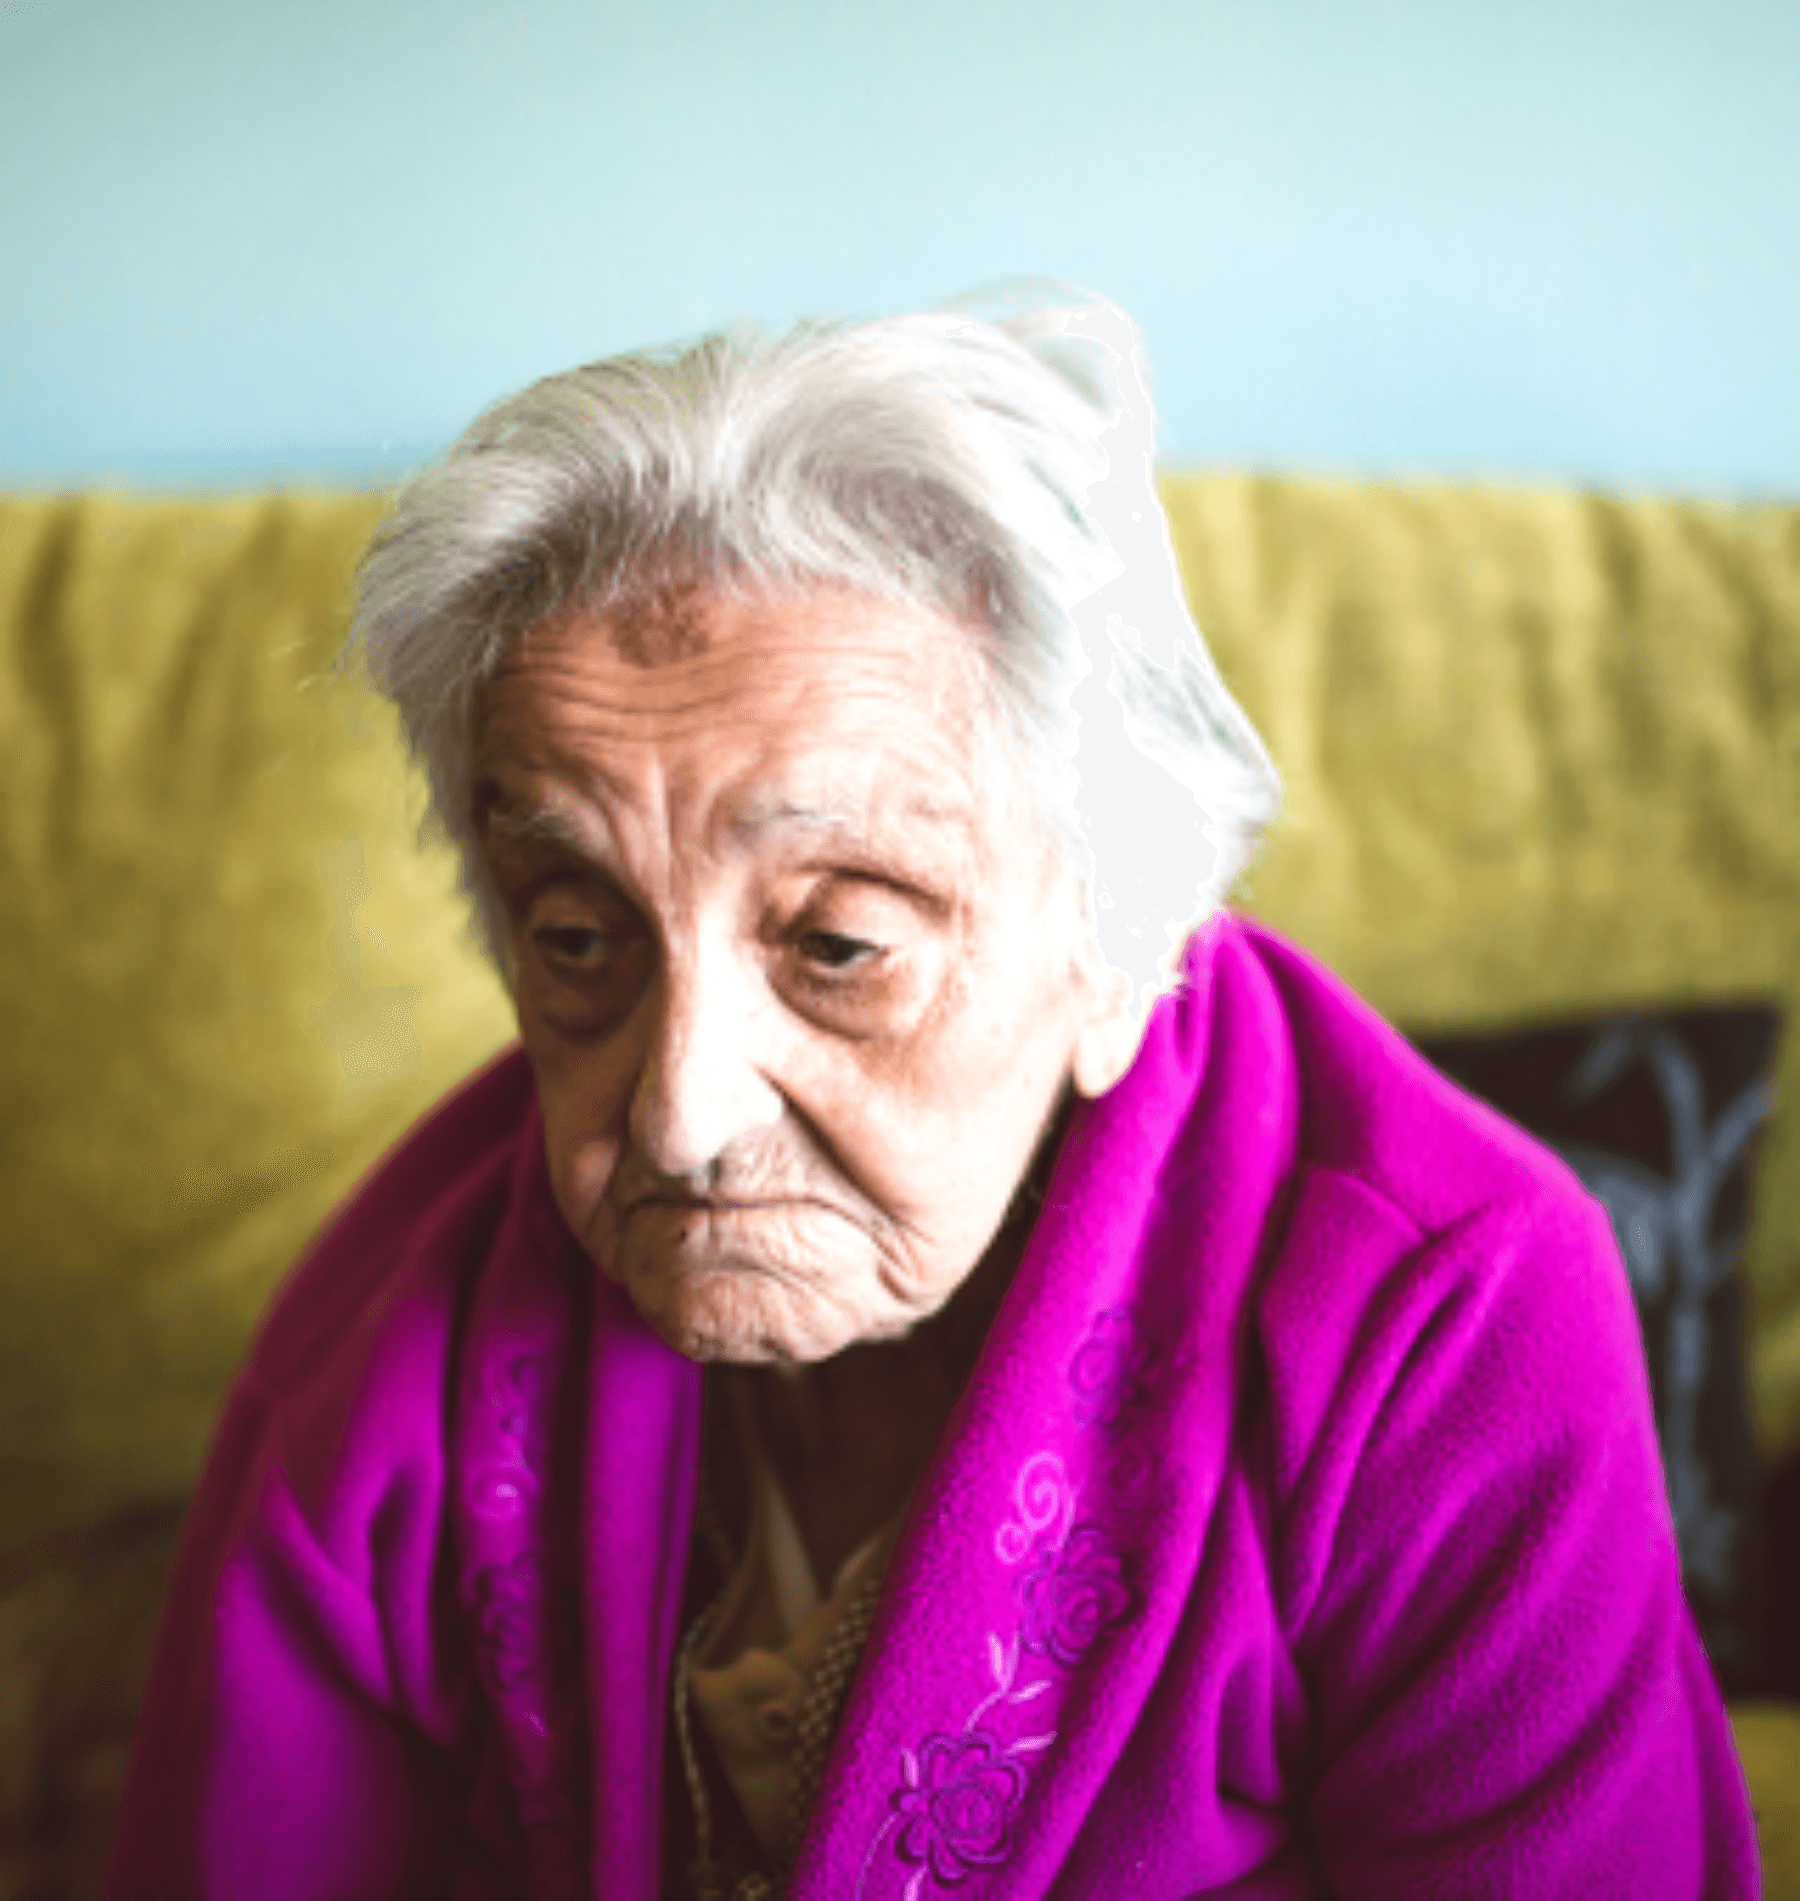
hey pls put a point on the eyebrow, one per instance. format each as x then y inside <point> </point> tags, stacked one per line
<point>776,813</point>
<point>534,822</point>
<point>530,821</point>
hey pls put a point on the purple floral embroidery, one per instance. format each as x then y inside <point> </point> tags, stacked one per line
<point>1131,1471</point>
<point>518,1525</point>
<point>1107,1374</point>
<point>1070,1594</point>
<point>506,1483</point>
<point>955,1810</point>
<point>1043,1498</point>
<point>509,1618</point>
<point>957,1805</point>
<point>527,1420</point>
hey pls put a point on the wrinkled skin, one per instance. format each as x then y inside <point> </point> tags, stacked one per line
<point>800,971</point>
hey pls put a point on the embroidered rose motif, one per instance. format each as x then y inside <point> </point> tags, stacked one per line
<point>526,1419</point>
<point>1069,1595</point>
<point>957,1806</point>
<point>508,1618</point>
<point>1107,1372</point>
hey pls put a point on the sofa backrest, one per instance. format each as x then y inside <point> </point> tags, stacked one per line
<point>1542,754</point>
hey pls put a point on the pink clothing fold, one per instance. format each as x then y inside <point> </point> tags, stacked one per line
<point>1300,1532</point>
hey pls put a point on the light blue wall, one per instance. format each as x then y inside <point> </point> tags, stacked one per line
<point>245,241</point>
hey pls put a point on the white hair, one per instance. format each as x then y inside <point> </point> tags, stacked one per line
<point>996,468</point>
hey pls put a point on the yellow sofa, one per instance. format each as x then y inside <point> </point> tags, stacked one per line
<point>1542,753</point>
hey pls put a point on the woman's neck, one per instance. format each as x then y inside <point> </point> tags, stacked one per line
<point>850,1436</point>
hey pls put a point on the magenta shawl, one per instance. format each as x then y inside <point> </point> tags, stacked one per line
<point>1301,1532</point>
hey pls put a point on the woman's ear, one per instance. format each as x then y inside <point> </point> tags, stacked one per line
<point>1107,1043</point>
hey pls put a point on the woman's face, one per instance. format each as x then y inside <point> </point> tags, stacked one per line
<point>798,970</point>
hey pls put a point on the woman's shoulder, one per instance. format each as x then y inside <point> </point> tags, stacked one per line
<point>323,1503</point>
<point>312,1547</point>
<point>1438,1280</point>
<point>1467,1528</point>
<point>375,1296</point>
<point>1371,1109</point>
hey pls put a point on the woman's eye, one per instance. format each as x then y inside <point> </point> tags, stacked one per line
<point>835,951</point>
<point>571,943</point>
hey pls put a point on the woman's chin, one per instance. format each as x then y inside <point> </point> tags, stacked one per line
<point>749,1317</point>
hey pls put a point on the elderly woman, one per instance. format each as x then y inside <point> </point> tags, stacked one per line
<point>854,1407</point>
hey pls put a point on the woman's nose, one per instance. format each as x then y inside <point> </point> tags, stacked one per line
<point>701,1088</point>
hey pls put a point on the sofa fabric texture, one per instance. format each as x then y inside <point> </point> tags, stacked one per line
<point>1542,754</point>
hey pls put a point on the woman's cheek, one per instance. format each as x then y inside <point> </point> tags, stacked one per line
<point>584,1156</point>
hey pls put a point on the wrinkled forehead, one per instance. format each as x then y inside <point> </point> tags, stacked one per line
<point>818,709</point>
